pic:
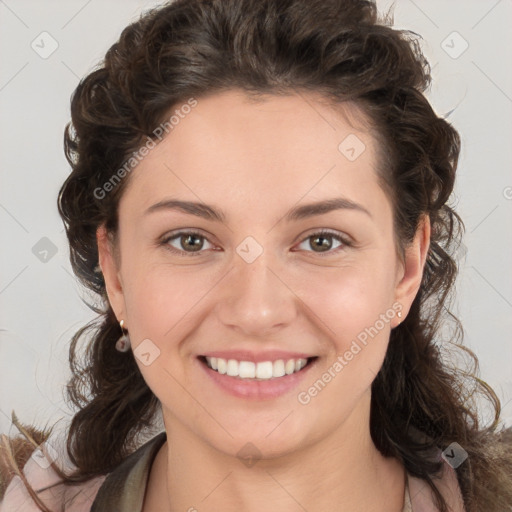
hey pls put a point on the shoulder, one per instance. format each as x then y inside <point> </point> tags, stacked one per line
<point>119,490</point>
<point>47,484</point>
<point>422,496</point>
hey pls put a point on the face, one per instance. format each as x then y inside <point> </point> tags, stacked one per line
<point>256,275</point>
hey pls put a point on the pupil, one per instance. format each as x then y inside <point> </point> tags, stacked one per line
<point>326,245</point>
<point>195,246</point>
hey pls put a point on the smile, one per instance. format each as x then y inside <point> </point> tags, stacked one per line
<point>263,370</point>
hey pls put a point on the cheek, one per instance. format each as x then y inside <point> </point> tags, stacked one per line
<point>161,300</point>
<point>355,314</point>
<point>353,307</point>
<point>347,299</point>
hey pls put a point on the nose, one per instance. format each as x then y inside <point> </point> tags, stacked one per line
<point>256,301</point>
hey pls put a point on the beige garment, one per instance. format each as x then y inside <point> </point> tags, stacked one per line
<point>123,489</point>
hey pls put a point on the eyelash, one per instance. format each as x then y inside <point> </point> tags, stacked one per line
<point>322,233</point>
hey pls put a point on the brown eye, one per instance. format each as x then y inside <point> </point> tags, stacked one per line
<point>191,241</point>
<point>185,243</point>
<point>323,241</point>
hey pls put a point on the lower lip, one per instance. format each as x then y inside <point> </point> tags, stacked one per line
<point>257,389</point>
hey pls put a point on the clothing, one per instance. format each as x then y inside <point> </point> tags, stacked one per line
<point>123,489</point>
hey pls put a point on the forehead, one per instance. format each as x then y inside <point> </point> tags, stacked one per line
<point>274,121</point>
<point>280,148</point>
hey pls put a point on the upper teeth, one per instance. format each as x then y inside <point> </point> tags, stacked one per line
<point>251,370</point>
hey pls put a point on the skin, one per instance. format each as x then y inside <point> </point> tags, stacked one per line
<point>255,161</point>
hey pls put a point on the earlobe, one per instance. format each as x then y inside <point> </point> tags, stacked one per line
<point>414,262</point>
<point>110,270</point>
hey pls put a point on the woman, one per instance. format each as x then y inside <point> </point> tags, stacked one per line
<point>259,196</point>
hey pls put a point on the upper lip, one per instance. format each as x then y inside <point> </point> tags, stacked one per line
<point>256,357</point>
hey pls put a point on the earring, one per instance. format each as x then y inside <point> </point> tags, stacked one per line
<point>399,315</point>
<point>123,343</point>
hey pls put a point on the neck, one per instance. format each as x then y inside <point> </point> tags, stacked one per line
<point>333,473</point>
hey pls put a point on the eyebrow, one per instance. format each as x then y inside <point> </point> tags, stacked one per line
<point>299,212</point>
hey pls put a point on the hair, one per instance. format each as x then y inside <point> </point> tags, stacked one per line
<point>347,53</point>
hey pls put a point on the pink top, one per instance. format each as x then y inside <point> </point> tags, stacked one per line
<point>124,488</point>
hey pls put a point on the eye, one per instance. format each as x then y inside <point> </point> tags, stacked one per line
<point>190,243</point>
<point>323,240</point>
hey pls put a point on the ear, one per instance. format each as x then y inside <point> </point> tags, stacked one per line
<point>111,273</point>
<point>409,279</point>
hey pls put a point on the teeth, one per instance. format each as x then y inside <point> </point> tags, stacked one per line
<point>248,370</point>
<point>222,365</point>
<point>232,370</point>
<point>264,370</point>
<point>289,367</point>
<point>278,368</point>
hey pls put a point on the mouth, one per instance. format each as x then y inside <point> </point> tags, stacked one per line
<point>257,371</point>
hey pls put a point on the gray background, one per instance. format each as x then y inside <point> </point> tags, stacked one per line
<point>40,304</point>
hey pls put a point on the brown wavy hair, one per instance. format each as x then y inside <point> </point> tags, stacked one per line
<point>343,49</point>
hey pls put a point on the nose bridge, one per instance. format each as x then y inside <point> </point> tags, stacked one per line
<point>255,299</point>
